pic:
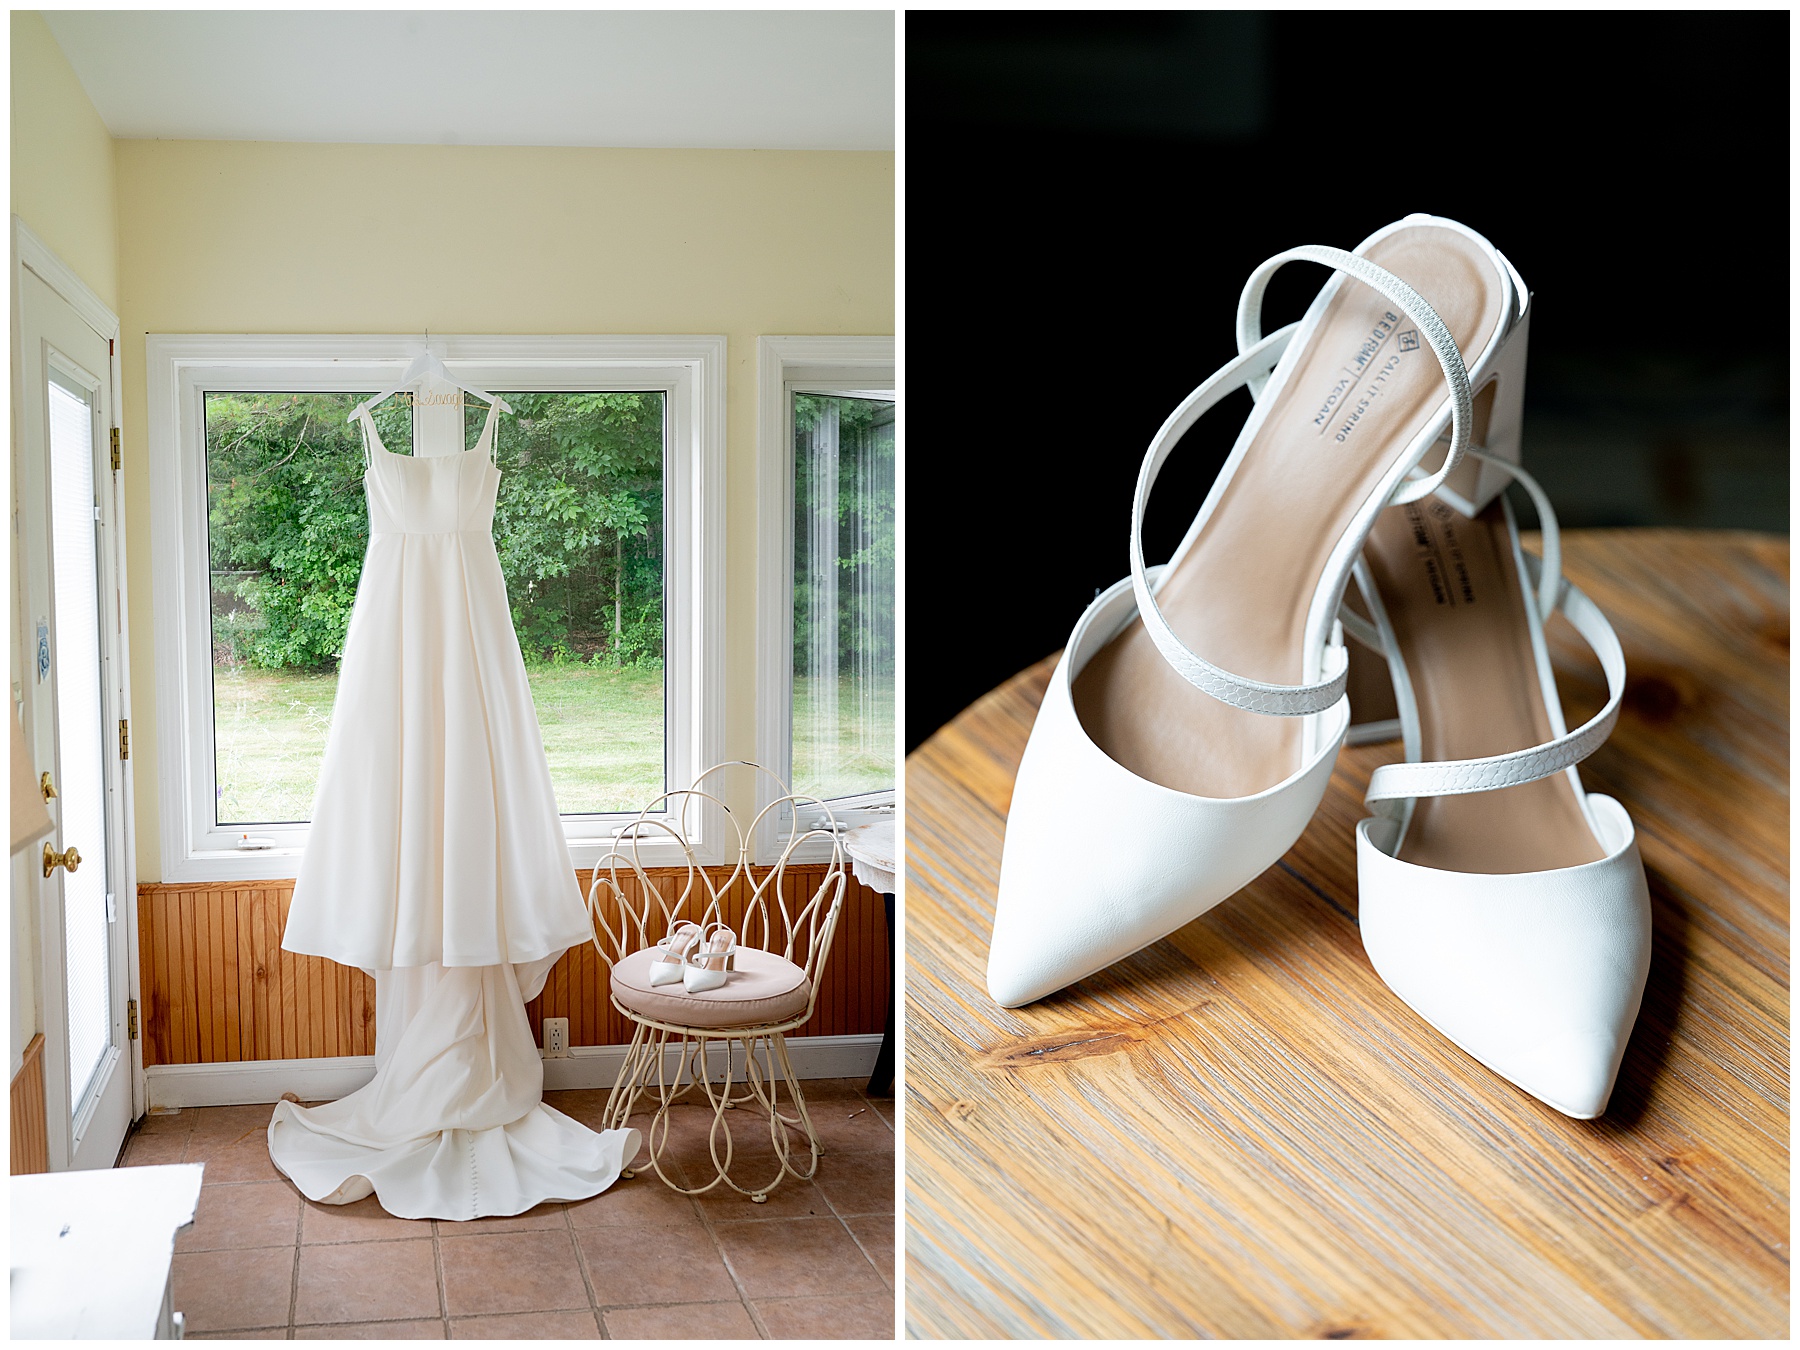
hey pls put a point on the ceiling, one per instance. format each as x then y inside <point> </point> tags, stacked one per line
<point>741,79</point>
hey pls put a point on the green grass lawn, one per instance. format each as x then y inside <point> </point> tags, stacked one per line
<point>861,760</point>
<point>269,738</point>
<point>603,736</point>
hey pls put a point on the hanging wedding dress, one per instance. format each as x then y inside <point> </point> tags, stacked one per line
<point>436,862</point>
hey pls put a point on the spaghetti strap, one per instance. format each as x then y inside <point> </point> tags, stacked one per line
<point>488,437</point>
<point>369,436</point>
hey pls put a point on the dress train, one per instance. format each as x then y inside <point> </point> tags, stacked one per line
<point>453,1125</point>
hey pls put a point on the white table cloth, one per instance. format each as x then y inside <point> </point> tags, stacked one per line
<point>871,850</point>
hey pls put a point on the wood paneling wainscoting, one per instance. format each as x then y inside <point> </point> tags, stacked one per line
<point>30,1127</point>
<point>218,988</point>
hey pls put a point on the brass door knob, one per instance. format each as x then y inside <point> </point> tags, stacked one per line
<point>45,786</point>
<point>70,858</point>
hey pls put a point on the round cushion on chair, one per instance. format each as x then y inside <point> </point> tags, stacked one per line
<point>762,988</point>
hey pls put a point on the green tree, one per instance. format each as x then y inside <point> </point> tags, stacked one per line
<point>578,522</point>
<point>865,550</point>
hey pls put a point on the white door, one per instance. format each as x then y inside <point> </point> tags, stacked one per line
<point>73,694</point>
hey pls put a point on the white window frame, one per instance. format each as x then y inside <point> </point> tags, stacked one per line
<point>786,366</point>
<point>180,369</point>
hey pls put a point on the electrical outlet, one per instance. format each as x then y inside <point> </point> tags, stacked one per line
<point>556,1037</point>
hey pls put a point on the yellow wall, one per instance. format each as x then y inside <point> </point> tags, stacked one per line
<point>64,189</point>
<point>252,237</point>
<point>63,183</point>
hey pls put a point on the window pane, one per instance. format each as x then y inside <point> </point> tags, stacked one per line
<point>286,530</point>
<point>578,526</point>
<point>843,595</point>
<point>81,774</point>
<point>580,533</point>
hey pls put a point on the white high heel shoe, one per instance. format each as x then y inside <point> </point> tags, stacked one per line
<point>667,967</point>
<point>709,959</point>
<point>1191,724</point>
<point>1499,900</point>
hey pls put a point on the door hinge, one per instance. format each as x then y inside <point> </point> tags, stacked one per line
<point>124,738</point>
<point>131,1018</point>
<point>115,449</point>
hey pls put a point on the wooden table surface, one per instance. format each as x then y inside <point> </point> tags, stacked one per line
<point>1239,1132</point>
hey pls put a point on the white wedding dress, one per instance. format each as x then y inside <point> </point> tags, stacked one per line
<point>436,861</point>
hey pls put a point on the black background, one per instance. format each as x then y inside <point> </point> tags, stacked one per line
<point>1086,193</point>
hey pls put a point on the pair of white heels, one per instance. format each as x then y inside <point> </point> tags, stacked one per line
<point>1190,727</point>
<point>698,957</point>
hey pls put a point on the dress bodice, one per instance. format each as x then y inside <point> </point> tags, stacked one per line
<point>433,493</point>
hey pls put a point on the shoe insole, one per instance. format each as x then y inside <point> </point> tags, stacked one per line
<point>1370,686</point>
<point>1363,389</point>
<point>1452,592</point>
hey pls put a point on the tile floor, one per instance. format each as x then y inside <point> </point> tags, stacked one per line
<point>637,1262</point>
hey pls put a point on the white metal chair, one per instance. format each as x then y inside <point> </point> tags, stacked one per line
<point>782,947</point>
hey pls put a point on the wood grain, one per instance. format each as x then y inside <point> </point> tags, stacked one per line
<point>217,987</point>
<point>1239,1132</point>
<point>30,1126</point>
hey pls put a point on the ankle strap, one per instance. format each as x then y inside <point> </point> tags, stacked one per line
<point>1445,778</point>
<point>1549,567</point>
<point>1283,700</point>
<point>1412,304</point>
<point>1278,700</point>
<point>1442,778</point>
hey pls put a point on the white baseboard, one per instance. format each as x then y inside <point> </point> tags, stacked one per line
<point>585,1066</point>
